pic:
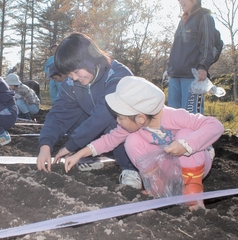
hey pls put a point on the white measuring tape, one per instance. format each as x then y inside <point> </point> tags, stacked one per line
<point>110,212</point>
<point>32,160</point>
<point>25,135</point>
<point>29,124</point>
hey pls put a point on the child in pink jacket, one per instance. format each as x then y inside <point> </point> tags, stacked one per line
<point>145,124</point>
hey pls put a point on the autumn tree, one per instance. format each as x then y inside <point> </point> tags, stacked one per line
<point>50,26</point>
<point>126,29</point>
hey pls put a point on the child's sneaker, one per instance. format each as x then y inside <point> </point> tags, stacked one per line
<point>5,138</point>
<point>130,178</point>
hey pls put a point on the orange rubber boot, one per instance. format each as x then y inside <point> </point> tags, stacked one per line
<point>192,178</point>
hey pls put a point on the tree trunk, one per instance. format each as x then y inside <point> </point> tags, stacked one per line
<point>2,34</point>
<point>32,39</point>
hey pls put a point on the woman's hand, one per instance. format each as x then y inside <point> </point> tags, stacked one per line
<point>43,158</point>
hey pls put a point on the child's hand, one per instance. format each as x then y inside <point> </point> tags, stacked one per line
<point>62,152</point>
<point>70,161</point>
<point>175,149</point>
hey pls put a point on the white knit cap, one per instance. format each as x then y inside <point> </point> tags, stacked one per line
<point>12,79</point>
<point>136,95</point>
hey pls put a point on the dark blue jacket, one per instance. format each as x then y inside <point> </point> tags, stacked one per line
<point>7,103</point>
<point>6,95</point>
<point>76,101</point>
<point>193,45</point>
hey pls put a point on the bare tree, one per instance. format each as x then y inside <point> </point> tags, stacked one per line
<point>3,8</point>
<point>227,15</point>
<point>130,30</point>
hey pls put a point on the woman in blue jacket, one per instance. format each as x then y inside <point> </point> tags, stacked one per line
<point>81,110</point>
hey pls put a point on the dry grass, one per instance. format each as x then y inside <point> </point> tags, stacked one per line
<point>226,112</point>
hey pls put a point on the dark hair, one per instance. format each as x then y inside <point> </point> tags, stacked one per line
<point>199,2</point>
<point>79,51</point>
<point>56,74</point>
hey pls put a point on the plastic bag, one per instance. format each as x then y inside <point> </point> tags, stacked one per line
<point>202,87</point>
<point>161,174</point>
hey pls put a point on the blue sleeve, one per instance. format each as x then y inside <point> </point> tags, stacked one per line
<point>61,117</point>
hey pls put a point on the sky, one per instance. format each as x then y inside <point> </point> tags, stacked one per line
<point>169,6</point>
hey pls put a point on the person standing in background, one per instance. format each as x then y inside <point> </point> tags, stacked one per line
<point>54,86</point>
<point>192,48</point>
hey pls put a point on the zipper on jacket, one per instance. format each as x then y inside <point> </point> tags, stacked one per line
<point>89,85</point>
<point>89,92</point>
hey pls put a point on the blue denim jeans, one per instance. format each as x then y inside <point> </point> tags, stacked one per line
<point>25,108</point>
<point>179,96</point>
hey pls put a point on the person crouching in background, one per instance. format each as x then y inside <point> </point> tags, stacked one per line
<point>26,99</point>
<point>8,111</point>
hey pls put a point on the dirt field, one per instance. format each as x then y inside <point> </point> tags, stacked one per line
<point>29,196</point>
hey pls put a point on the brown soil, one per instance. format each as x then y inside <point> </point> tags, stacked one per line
<point>29,196</point>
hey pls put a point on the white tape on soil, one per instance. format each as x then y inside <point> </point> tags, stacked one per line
<point>29,124</point>
<point>32,160</point>
<point>26,120</point>
<point>110,212</point>
<point>26,135</point>
<point>16,160</point>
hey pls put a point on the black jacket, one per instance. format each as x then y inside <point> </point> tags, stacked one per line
<point>193,45</point>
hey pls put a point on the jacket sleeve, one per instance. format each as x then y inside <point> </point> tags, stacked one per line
<point>206,42</point>
<point>108,142</point>
<point>61,117</point>
<point>206,130</point>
